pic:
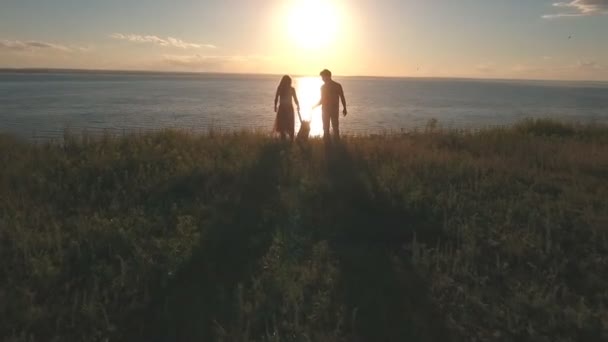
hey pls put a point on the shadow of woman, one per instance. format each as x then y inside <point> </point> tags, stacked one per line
<point>202,291</point>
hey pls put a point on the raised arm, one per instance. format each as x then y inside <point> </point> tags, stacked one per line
<point>343,98</point>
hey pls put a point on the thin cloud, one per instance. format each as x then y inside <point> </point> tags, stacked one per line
<point>524,68</point>
<point>165,42</point>
<point>580,65</point>
<point>18,45</point>
<point>486,67</point>
<point>580,8</point>
<point>214,62</point>
<point>588,65</point>
<point>198,61</point>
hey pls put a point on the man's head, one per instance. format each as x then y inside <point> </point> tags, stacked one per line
<point>326,75</point>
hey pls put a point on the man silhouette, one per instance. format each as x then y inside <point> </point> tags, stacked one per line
<point>331,94</point>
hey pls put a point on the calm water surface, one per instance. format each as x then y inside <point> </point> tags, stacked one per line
<point>45,105</point>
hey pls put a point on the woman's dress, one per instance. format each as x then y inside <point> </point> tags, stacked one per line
<point>285,120</point>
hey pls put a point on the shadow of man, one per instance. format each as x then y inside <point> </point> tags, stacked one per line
<point>390,301</point>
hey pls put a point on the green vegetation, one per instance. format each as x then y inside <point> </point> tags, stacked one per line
<point>495,235</point>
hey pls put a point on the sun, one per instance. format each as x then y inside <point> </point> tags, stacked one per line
<point>313,24</point>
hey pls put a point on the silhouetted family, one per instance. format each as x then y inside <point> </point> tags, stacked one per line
<point>331,96</point>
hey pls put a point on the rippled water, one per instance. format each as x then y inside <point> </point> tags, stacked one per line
<point>45,105</point>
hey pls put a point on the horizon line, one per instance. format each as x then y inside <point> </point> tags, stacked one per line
<point>41,70</point>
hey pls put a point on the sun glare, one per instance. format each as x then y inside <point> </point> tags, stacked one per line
<point>309,93</point>
<point>313,24</point>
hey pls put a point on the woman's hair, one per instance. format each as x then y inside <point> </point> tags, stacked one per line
<point>285,84</point>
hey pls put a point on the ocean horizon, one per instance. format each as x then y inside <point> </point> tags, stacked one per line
<point>44,103</point>
<point>43,70</point>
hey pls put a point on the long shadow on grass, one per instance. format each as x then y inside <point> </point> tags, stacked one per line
<point>202,292</point>
<point>388,300</point>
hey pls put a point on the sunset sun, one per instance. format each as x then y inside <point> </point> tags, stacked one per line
<point>313,24</point>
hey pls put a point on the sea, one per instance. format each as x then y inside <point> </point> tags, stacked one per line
<point>46,105</point>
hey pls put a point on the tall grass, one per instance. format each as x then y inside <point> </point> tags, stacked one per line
<point>499,234</point>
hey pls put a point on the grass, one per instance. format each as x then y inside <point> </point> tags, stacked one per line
<point>495,235</point>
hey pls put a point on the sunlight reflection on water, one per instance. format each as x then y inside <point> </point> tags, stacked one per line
<point>309,93</point>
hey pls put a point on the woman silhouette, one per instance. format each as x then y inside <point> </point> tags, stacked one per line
<point>285,121</point>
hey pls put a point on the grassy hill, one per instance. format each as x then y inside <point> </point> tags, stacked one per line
<point>494,235</point>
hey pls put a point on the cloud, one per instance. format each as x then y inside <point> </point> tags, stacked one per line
<point>486,67</point>
<point>215,62</point>
<point>524,68</point>
<point>588,65</point>
<point>165,42</point>
<point>580,8</point>
<point>17,45</point>
<point>582,65</point>
<point>196,61</point>
<point>205,62</point>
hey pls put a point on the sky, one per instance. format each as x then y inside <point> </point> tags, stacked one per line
<point>515,39</point>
